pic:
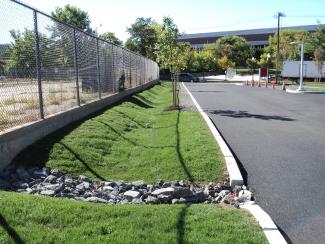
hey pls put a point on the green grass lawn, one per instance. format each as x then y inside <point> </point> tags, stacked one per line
<point>134,140</point>
<point>38,219</point>
<point>310,86</point>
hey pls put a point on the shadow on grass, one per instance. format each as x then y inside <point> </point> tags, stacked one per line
<point>181,224</point>
<point>38,153</point>
<point>245,114</point>
<point>138,102</point>
<point>129,140</point>
<point>178,151</point>
<point>11,231</point>
<point>129,117</point>
<point>78,157</point>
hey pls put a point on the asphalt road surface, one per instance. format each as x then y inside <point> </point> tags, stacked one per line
<point>279,139</point>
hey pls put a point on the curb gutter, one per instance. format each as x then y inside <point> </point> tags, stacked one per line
<point>269,228</point>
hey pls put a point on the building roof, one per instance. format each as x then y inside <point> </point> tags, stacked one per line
<point>245,32</point>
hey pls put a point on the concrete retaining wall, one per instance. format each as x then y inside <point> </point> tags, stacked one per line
<point>15,140</point>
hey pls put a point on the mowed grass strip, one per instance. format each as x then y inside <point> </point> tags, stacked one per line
<point>134,140</point>
<point>38,219</point>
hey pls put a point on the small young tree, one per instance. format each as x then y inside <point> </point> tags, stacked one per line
<point>319,55</point>
<point>171,54</point>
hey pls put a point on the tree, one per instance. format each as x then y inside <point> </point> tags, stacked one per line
<point>143,37</point>
<point>224,63</point>
<point>171,54</point>
<point>319,55</point>
<point>74,16</point>
<point>287,51</point>
<point>234,47</point>
<point>22,61</point>
<point>110,36</point>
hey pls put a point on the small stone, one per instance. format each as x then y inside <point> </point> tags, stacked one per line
<point>108,188</point>
<point>245,195</point>
<point>48,192</point>
<point>29,190</point>
<point>83,186</point>
<point>164,198</point>
<point>124,201</point>
<point>53,187</point>
<point>174,183</point>
<point>50,179</point>
<point>237,189</point>
<point>166,184</point>
<point>164,191</point>
<point>109,183</point>
<point>175,200</point>
<point>96,199</point>
<point>56,172</point>
<point>84,178</point>
<point>223,193</point>
<point>151,200</point>
<point>138,183</point>
<point>206,191</point>
<point>137,201</point>
<point>44,172</point>
<point>130,195</point>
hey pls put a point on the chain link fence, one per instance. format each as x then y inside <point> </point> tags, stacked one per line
<point>48,67</point>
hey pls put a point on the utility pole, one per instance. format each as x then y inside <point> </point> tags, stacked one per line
<point>279,15</point>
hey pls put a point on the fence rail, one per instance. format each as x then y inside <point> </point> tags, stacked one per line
<point>47,66</point>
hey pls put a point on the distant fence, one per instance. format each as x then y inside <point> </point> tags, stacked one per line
<point>47,66</point>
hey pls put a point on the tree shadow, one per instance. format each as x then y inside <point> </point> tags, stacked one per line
<point>181,224</point>
<point>78,157</point>
<point>144,99</point>
<point>178,151</point>
<point>11,231</point>
<point>244,114</point>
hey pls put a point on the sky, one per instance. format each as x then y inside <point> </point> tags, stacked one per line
<point>192,16</point>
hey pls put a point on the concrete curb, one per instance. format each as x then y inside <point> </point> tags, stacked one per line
<point>232,167</point>
<point>269,228</point>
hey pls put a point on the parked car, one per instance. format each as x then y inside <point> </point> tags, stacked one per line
<point>187,77</point>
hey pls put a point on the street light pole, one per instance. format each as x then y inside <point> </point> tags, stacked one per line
<point>278,47</point>
<point>301,84</point>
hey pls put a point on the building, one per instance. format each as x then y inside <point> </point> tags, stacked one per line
<point>255,37</point>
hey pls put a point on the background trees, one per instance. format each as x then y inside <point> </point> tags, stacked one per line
<point>110,36</point>
<point>143,37</point>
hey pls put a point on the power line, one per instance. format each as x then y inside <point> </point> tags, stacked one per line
<point>306,16</point>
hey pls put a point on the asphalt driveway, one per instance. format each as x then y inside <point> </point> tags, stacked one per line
<point>279,138</point>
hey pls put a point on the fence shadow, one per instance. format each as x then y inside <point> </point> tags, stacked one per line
<point>181,224</point>
<point>78,157</point>
<point>244,114</point>
<point>10,230</point>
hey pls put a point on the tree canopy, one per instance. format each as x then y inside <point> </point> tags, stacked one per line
<point>74,16</point>
<point>110,36</point>
<point>143,37</point>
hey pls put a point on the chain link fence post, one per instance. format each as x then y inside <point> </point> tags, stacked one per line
<point>38,66</point>
<point>75,54</point>
<point>98,70</point>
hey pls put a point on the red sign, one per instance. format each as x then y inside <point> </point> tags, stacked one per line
<point>264,72</point>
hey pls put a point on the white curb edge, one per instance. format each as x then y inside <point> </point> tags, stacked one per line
<point>269,228</point>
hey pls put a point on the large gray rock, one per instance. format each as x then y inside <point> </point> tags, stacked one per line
<point>83,186</point>
<point>50,179</point>
<point>151,200</point>
<point>164,191</point>
<point>96,199</point>
<point>130,195</point>
<point>138,183</point>
<point>53,187</point>
<point>48,192</point>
